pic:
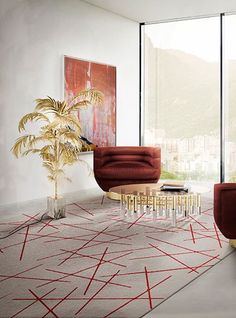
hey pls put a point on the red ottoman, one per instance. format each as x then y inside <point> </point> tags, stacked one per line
<point>114,166</point>
<point>225,210</point>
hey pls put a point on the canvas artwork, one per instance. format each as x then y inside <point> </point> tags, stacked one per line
<point>98,121</point>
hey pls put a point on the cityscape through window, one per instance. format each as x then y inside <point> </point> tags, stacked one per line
<point>230,97</point>
<point>181,97</point>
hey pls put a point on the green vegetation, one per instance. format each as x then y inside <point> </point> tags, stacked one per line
<point>232,177</point>
<point>168,175</point>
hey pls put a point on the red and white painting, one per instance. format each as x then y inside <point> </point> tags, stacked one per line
<point>98,121</point>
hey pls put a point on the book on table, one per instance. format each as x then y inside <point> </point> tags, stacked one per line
<point>174,187</point>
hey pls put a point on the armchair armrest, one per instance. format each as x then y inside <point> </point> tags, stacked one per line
<point>225,208</point>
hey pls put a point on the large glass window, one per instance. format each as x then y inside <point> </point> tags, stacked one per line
<point>229,55</point>
<point>180,97</point>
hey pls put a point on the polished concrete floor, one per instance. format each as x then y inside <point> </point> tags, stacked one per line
<point>212,295</point>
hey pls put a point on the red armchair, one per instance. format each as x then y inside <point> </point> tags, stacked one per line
<point>225,210</point>
<point>114,166</point>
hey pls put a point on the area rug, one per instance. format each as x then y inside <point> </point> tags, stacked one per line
<point>96,263</point>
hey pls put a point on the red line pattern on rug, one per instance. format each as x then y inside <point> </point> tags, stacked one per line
<point>96,263</point>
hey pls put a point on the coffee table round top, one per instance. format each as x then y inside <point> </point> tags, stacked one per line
<point>147,188</point>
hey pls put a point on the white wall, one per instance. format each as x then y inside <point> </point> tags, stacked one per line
<point>34,36</point>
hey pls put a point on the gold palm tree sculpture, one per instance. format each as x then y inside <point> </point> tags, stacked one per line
<point>58,141</point>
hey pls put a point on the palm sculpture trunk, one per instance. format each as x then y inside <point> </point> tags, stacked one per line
<point>60,135</point>
<point>57,166</point>
<point>55,195</point>
<point>56,205</point>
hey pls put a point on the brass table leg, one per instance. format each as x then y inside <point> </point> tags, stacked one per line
<point>232,243</point>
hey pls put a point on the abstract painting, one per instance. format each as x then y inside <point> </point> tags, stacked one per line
<point>98,121</point>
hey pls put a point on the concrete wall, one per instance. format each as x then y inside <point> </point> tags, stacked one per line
<point>34,36</point>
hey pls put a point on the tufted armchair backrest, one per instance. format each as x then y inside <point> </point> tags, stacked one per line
<point>148,155</point>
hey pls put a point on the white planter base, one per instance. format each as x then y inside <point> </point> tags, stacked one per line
<point>56,208</point>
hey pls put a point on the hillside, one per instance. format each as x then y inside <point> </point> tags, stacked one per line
<point>187,94</point>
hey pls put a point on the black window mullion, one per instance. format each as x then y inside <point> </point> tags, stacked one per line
<point>222,130</point>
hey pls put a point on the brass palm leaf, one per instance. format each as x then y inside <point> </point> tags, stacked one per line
<point>47,149</point>
<point>96,96</point>
<point>71,137</point>
<point>34,116</point>
<point>41,139</point>
<point>48,132</point>
<point>78,105</point>
<point>74,122</point>
<point>47,156</point>
<point>70,121</point>
<point>49,166</point>
<point>46,104</point>
<point>63,108</point>
<point>22,142</point>
<point>55,174</point>
<point>92,95</point>
<point>68,153</point>
<point>59,172</point>
<point>31,150</point>
<point>47,153</point>
<point>51,178</point>
<point>68,157</point>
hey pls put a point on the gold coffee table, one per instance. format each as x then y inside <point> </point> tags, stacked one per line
<point>148,198</point>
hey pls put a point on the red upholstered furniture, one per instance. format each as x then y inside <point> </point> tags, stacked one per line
<point>225,210</point>
<point>114,166</point>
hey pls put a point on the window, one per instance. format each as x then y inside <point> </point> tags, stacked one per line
<point>181,96</point>
<point>230,96</point>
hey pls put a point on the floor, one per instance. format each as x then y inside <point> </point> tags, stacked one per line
<point>210,295</point>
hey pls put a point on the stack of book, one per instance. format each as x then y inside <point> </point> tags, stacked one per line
<point>173,187</point>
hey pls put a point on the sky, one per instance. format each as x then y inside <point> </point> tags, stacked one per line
<point>200,37</point>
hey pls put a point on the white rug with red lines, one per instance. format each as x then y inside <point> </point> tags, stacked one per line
<point>95,263</point>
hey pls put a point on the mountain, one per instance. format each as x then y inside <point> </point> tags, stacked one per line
<point>186,100</point>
